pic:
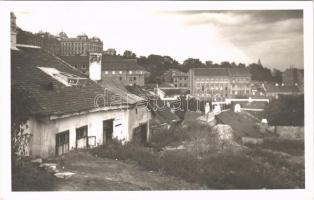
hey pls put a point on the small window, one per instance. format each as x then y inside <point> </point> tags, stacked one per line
<point>113,72</point>
<point>134,78</point>
<point>106,72</point>
<point>130,72</point>
<point>120,78</point>
<point>120,72</point>
<point>81,132</point>
<point>84,67</point>
<point>75,66</point>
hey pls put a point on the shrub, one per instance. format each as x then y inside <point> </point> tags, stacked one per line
<point>231,171</point>
<point>181,164</point>
<point>129,151</point>
<point>168,136</point>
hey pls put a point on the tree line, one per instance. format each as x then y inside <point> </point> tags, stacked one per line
<point>157,65</point>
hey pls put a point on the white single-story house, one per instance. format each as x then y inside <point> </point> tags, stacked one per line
<point>67,110</point>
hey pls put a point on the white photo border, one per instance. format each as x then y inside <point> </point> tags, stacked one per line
<point>5,184</point>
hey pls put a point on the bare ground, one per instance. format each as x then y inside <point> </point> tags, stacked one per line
<point>98,174</point>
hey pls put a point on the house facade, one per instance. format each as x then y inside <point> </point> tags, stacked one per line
<point>69,111</point>
<point>180,79</point>
<point>209,83</point>
<point>81,45</point>
<point>274,90</point>
<point>294,76</point>
<point>219,83</point>
<point>125,70</point>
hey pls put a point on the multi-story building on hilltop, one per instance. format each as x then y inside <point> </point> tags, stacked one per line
<point>219,83</point>
<point>81,45</point>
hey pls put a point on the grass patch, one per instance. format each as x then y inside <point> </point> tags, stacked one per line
<point>292,147</point>
<point>28,177</point>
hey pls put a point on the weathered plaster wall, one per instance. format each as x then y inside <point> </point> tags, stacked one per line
<point>44,131</point>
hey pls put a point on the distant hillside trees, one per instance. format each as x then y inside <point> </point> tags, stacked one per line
<point>157,65</point>
<point>260,73</point>
<point>286,111</point>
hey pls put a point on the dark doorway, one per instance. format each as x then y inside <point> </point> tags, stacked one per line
<point>62,143</point>
<point>140,134</point>
<point>107,130</point>
<point>81,137</point>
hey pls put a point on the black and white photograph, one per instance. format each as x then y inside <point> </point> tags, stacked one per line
<point>158,96</point>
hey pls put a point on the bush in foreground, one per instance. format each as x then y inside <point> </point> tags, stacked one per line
<point>129,151</point>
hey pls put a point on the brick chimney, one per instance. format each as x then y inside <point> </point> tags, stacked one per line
<point>13,31</point>
<point>95,66</point>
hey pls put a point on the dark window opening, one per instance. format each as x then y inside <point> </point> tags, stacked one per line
<point>81,137</point>
<point>62,143</point>
<point>107,130</point>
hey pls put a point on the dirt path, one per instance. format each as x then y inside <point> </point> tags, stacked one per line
<point>98,174</point>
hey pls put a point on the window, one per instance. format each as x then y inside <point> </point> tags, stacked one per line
<point>120,72</point>
<point>81,132</point>
<point>120,78</point>
<point>134,78</point>
<point>62,142</point>
<point>75,66</point>
<point>113,72</point>
<point>106,72</point>
<point>81,137</point>
<point>130,72</point>
<point>84,67</point>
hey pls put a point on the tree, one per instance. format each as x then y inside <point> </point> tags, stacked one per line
<point>277,76</point>
<point>129,54</point>
<point>287,110</point>
<point>19,115</point>
<point>192,63</point>
<point>209,63</point>
<point>226,64</point>
<point>259,73</point>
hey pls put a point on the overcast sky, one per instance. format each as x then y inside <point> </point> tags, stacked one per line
<point>274,36</point>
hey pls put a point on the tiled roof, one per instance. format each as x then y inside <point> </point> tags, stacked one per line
<point>179,73</point>
<point>47,95</point>
<point>108,62</point>
<point>118,89</point>
<point>118,63</point>
<point>272,88</point>
<point>243,125</point>
<point>239,71</point>
<point>233,71</point>
<point>161,115</point>
<point>211,71</point>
